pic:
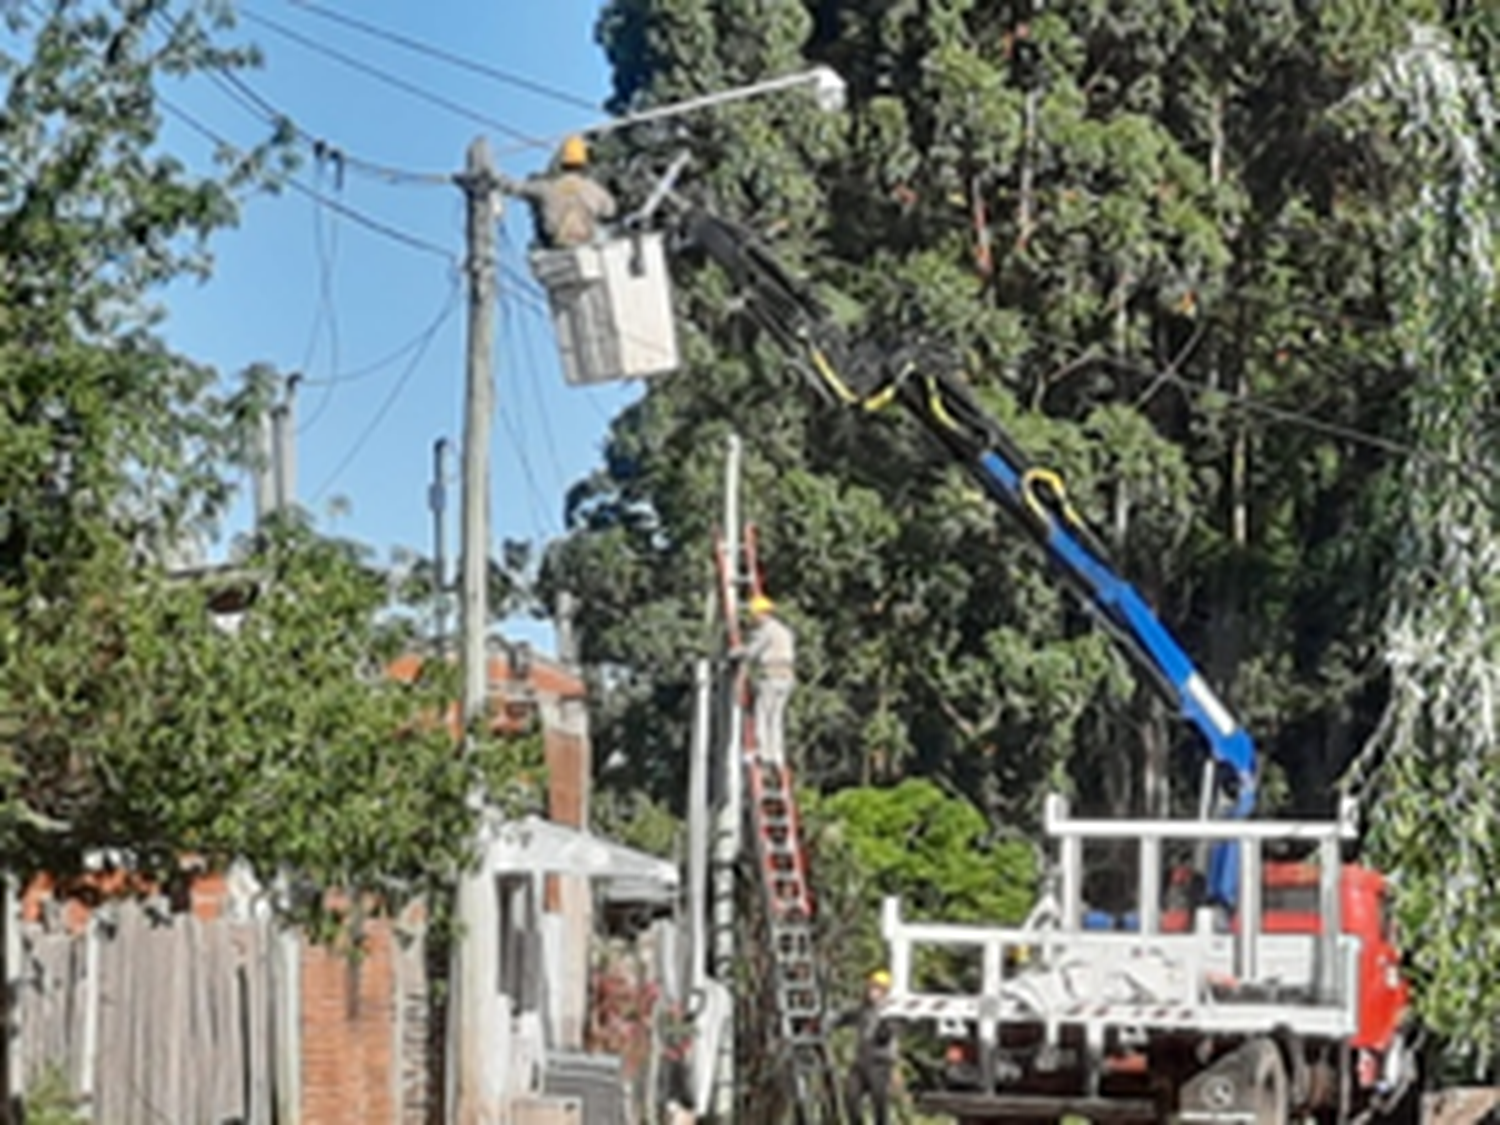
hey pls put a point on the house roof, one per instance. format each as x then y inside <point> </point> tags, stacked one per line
<point>518,680</point>
<point>508,674</point>
<point>533,846</point>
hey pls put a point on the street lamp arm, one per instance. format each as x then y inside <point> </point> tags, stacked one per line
<point>828,88</point>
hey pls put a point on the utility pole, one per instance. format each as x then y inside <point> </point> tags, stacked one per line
<point>284,440</point>
<point>437,501</point>
<point>479,1051</point>
<point>265,467</point>
<point>699,767</point>
<point>730,818</point>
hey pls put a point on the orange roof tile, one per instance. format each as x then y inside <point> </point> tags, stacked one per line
<point>545,677</point>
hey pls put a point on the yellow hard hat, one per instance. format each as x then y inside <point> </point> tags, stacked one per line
<point>881,978</point>
<point>575,152</point>
<point>760,605</point>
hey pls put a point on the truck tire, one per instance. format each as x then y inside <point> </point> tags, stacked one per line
<point>1248,1083</point>
<point>1270,1101</point>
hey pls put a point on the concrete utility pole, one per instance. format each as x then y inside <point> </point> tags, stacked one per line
<point>284,438</point>
<point>276,455</point>
<point>699,767</point>
<point>437,501</point>
<point>478,1046</point>
<point>731,814</point>
<point>265,468</point>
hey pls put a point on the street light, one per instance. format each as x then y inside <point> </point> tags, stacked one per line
<point>828,89</point>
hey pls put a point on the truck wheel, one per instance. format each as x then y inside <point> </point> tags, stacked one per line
<point>1268,1089</point>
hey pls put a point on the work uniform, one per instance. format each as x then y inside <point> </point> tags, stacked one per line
<point>569,208</point>
<point>874,1064</point>
<point>772,648</point>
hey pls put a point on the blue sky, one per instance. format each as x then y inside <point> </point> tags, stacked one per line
<point>308,290</point>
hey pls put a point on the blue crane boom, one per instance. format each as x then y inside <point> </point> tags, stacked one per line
<point>918,378</point>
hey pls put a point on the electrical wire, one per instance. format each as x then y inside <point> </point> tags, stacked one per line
<point>1252,404</point>
<point>535,496</point>
<point>237,89</point>
<point>378,226</point>
<point>241,91</point>
<point>326,244</point>
<point>504,77</point>
<point>390,79</point>
<point>368,222</point>
<point>390,400</point>
<point>518,326</point>
<point>374,367</point>
<point>514,427</point>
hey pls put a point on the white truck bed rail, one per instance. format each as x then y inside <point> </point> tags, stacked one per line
<point>1053,972</point>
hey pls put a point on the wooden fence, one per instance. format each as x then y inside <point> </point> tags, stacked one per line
<point>156,1018</point>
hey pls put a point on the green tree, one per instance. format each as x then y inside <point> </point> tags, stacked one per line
<point>130,719</point>
<point>1193,262</point>
<point>934,850</point>
<point>1433,793</point>
<point>1160,257</point>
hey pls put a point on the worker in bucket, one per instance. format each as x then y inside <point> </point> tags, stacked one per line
<point>772,652</point>
<point>570,206</point>
<point>874,1054</point>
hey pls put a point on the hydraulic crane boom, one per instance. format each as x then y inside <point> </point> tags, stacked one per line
<point>918,379</point>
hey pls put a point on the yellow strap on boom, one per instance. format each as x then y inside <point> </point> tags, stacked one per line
<point>826,371</point>
<point>938,407</point>
<point>831,377</point>
<point>1032,479</point>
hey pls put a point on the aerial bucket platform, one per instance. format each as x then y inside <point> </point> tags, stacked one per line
<point>611,305</point>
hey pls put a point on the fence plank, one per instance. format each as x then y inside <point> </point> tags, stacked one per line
<point>186,1017</point>
<point>257,1058</point>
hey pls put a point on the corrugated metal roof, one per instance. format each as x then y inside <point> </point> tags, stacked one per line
<point>540,847</point>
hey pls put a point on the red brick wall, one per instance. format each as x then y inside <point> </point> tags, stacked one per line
<point>349,1032</point>
<point>567,793</point>
<point>206,895</point>
<point>567,778</point>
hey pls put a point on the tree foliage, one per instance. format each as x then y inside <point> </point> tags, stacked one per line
<point>933,850</point>
<point>131,720</point>
<point>1173,246</point>
<point>1434,816</point>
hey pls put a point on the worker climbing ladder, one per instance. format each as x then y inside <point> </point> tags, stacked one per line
<point>786,891</point>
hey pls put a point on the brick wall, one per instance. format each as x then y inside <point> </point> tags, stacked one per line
<point>368,1036</point>
<point>349,1029</point>
<point>207,895</point>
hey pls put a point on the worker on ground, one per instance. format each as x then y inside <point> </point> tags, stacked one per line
<point>772,652</point>
<point>570,206</point>
<point>874,1055</point>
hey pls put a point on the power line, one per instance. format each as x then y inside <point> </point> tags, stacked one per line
<point>378,226</point>
<point>1252,404</point>
<point>534,491</point>
<point>390,79</point>
<point>374,367</point>
<point>390,399</point>
<point>237,89</point>
<point>326,243</point>
<point>520,330</point>
<point>505,77</point>
<point>246,95</point>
